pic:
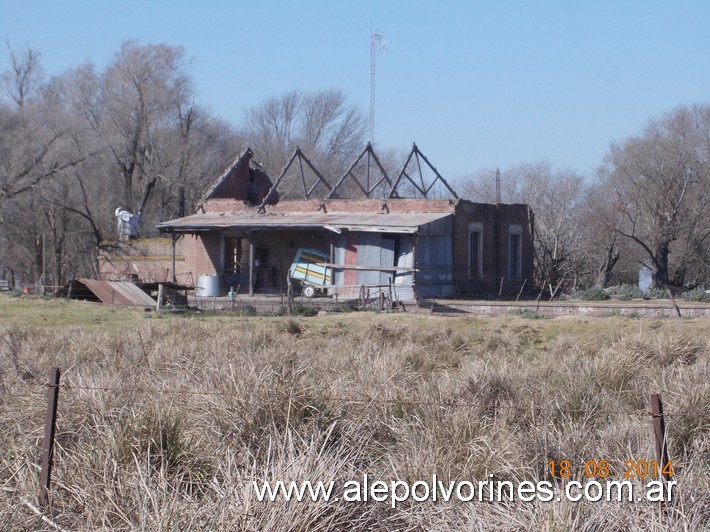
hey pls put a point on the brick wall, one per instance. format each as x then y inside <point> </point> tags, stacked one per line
<point>225,205</point>
<point>496,221</point>
<point>335,205</point>
<point>203,253</point>
<point>364,205</point>
<point>243,183</point>
<point>147,260</point>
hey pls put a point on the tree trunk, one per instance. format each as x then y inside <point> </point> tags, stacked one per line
<point>606,268</point>
<point>602,278</point>
<point>128,186</point>
<point>58,256</point>
<point>659,267</point>
<point>38,265</point>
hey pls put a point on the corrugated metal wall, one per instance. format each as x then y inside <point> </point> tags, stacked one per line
<point>435,258</point>
<point>374,249</point>
<point>442,226</point>
<point>387,257</point>
<point>369,253</point>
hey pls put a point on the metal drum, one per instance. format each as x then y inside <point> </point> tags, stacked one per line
<point>209,286</point>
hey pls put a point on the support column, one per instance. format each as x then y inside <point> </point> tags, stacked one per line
<point>174,277</point>
<point>251,263</point>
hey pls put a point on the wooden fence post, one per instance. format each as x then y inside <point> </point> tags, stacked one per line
<point>521,289</point>
<point>160,297</point>
<point>289,296</point>
<point>50,428</point>
<point>659,430</point>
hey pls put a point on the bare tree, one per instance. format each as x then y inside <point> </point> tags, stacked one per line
<point>34,137</point>
<point>598,231</point>
<point>38,146</point>
<point>77,146</point>
<point>24,77</point>
<point>129,106</point>
<point>322,124</point>
<point>154,139</point>
<point>554,196</point>
<point>661,187</point>
<point>194,152</point>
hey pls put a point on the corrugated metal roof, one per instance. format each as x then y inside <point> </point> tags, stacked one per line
<point>372,222</point>
<point>118,293</point>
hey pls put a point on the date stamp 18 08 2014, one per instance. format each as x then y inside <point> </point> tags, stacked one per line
<point>628,469</point>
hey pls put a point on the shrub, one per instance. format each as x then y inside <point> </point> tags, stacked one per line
<point>304,310</point>
<point>591,294</point>
<point>527,313</point>
<point>696,295</point>
<point>293,328</point>
<point>625,292</point>
<point>656,293</point>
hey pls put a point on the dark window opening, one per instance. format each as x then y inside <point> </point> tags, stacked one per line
<point>234,250</point>
<point>515,259</point>
<point>474,247</point>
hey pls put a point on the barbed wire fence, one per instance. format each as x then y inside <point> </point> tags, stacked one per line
<point>655,414</point>
<point>13,462</point>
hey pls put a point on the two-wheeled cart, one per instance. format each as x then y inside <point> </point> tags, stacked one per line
<point>308,268</point>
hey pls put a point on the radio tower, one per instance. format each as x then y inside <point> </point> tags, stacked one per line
<point>497,185</point>
<point>375,43</point>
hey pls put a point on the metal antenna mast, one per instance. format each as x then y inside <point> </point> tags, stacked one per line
<point>375,41</point>
<point>497,185</point>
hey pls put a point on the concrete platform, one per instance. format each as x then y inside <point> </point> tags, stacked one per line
<point>270,303</point>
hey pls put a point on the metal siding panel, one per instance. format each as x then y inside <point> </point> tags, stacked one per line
<point>366,221</point>
<point>405,259</point>
<point>118,293</point>
<point>434,259</point>
<point>351,253</point>
<point>369,245</point>
<point>403,293</point>
<point>339,258</point>
<point>434,290</point>
<point>438,227</point>
<point>136,296</point>
<point>387,259</point>
<point>344,293</point>
<point>104,291</point>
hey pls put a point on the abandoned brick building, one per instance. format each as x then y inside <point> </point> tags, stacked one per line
<point>412,234</point>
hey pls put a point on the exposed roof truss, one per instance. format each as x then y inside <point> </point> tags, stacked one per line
<point>312,184</point>
<point>418,179</point>
<point>365,177</point>
<point>375,179</point>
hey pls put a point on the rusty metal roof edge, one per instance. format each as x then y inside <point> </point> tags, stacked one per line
<point>118,293</point>
<point>302,220</point>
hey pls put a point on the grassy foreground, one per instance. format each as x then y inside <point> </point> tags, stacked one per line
<point>167,421</point>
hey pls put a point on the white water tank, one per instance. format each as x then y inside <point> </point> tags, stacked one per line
<point>128,223</point>
<point>209,286</point>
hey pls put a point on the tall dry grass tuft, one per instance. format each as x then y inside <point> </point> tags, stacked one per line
<point>168,425</point>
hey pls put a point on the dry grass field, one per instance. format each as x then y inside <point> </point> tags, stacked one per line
<point>165,421</point>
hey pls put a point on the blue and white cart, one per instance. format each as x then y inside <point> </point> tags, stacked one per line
<point>308,268</point>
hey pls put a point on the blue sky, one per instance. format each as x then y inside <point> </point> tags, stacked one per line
<point>475,84</point>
